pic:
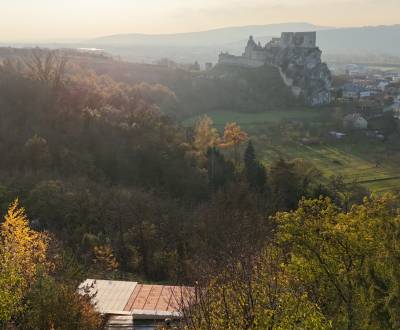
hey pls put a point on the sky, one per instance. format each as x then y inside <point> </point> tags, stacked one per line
<point>52,20</point>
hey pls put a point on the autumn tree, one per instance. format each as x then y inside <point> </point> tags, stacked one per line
<point>231,225</point>
<point>233,137</point>
<point>347,259</point>
<point>104,258</point>
<point>260,294</point>
<point>22,255</point>
<point>55,305</point>
<point>205,135</point>
<point>48,67</point>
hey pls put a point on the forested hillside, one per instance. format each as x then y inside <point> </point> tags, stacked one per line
<point>114,188</point>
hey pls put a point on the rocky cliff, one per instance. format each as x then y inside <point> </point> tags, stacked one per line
<point>298,59</point>
<point>303,71</point>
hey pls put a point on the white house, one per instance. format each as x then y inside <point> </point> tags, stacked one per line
<point>355,121</point>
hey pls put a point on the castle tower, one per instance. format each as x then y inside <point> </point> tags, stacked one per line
<point>298,39</point>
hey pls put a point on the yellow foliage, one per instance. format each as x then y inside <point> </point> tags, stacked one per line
<point>233,135</point>
<point>262,296</point>
<point>28,247</point>
<point>22,252</point>
<point>104,257</point>
<point>205,136</point>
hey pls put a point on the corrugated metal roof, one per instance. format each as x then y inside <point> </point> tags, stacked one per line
<point>140,300</point>
<point>158,298</point>
<point>111,296</point>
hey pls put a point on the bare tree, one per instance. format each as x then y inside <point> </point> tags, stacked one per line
<point>46,66</point>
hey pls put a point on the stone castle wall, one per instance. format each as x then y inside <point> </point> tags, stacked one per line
<point>298,39</point>
<point>299,63</point>
<point>240,61</point>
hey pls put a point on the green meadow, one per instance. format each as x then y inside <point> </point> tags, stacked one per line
<point>366,162</point>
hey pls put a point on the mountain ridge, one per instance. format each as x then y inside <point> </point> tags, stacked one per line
<point>208,37</point>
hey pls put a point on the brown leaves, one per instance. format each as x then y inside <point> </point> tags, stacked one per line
<point>104,257</point>
<point>233,135</point>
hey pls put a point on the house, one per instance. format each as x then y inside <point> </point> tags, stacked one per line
<point>130,305</point>
<point>368,93</point>
<point>355,121</point>
<point>382,85</point>
<point>351,91</point>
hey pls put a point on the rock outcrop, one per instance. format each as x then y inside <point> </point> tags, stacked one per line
<point>303,71</point>
<point>298,60</point>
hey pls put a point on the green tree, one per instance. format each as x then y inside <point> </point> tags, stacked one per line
<point>347,259</point>
<point>54,305</point>
<point>260,294</point>
<point>220,171</point>
<point>255,171</point>
<point>285,185</point>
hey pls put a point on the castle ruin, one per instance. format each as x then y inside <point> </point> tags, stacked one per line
<point>298,59</point>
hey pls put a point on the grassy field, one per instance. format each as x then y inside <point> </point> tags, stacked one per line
<point>253,121</point>
<point>368,163</point>
<point>336,160</point>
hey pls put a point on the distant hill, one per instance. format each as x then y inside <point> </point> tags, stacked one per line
<point>372,39</point>
<point>204,38</point>
<point>205,46</point>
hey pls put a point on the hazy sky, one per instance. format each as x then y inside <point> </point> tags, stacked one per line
<point>53,19</point>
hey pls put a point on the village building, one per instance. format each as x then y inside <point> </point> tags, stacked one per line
<point>355,121</point>
<point>130,305</point>
<point>394,107</point>
<point>351,91</point>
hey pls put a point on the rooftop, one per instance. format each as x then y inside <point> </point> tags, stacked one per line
<point>143,301</point>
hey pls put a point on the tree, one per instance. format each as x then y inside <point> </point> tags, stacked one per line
<point>345,194</point>
<point>229,227</point>
<point>104,258</point>
<point>255,171</point>
<point>285,185</point>
<point>205,135</point>
<point>22,254</point>
<point>46,66</point>
<point>54,305</point>
<point>347,260</point>
<point>260,294</point>
<point>30,297</point>
<point>220,171</point>
<point>233,137</point>
<point>37,153</point>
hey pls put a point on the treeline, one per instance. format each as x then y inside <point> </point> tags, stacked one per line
<point>224,87</point>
